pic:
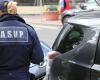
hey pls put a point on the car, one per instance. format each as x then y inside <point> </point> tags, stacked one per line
<point>37,72</point>
<point>79,46</point>
<point>88,6</point>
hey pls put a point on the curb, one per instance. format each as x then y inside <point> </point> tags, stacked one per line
<point>51,25</point>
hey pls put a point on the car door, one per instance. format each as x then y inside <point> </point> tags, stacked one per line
<point>95,71</point>
<point>77,44</point>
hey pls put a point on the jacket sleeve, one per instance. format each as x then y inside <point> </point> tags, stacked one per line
<point>37,55</point>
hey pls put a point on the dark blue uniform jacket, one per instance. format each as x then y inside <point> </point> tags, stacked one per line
<point>19,45</point>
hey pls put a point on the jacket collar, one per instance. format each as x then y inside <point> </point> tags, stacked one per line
<point>7,17</point>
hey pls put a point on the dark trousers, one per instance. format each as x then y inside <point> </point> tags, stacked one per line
<point>18,74</point>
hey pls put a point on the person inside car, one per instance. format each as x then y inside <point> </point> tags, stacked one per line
<point>19,44</point>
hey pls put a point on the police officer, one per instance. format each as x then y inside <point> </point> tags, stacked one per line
<point>19,44</point>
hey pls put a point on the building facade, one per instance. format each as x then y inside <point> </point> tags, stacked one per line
<point>41,2</point>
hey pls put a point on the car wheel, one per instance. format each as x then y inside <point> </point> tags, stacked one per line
<point>65,19</point>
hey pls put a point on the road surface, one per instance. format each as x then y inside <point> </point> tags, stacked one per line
<point>46,33</point>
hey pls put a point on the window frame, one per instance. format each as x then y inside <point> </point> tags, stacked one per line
<point>97,54</point>
<point>63,34</point>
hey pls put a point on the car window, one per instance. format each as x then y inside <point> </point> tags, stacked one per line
<point>64,31</point>
<point>70,39</point>
<point>92,2</point>
<point>61,35</point>
<point>97,58</point>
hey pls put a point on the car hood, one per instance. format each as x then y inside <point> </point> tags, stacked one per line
<point>91,19</point>
<point>89,8</point>
<point>92,6</point>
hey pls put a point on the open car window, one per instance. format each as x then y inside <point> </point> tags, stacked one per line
<point>69,38</point>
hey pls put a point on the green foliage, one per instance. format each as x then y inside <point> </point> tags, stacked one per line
<point>51,8</point>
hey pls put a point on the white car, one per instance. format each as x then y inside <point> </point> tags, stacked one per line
<point>89,5</point>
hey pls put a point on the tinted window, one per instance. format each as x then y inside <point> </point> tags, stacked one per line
<point>61,35</point>
<point>70,39</point>
<point>97,59</point>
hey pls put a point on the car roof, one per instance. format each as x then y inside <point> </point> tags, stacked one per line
<point>91,19</point>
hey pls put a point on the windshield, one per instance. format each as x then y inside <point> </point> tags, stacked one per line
<point>92,2</point>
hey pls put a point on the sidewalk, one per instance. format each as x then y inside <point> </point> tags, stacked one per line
<point>34,15</point>
<point>40,20</point>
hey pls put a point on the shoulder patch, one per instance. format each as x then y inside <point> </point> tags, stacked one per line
<point>13,34</point>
